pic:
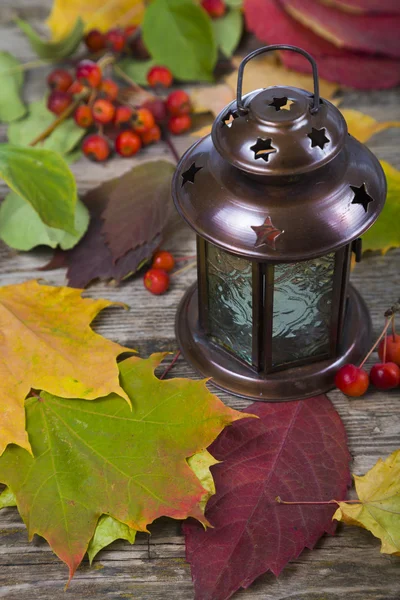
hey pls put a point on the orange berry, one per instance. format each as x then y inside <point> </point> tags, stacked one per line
<point>144,120</point>
<point>109,89</point>
<point>151,136</point>
<point>83,116</point>
<point>161,76</point>
<point>163,260</point>
<point>96,147</point>
<point>179,124</point>
<point>128,143</point>
<point>103,111</point>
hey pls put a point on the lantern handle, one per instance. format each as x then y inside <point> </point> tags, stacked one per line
<point>239,99</point>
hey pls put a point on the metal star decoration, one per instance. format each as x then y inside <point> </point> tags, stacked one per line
<point>361,196</point>
<point>267,234</point>
<point>263,148</point>
<point>281,103</point>
<point>189,175</point>
<point>229,118</point>
<point>318,137</point>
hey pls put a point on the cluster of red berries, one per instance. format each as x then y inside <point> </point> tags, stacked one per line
<point>156,279</point>
<point>130,128</point>
<point>117,40</point>
<point>215,8</point>
<point>385,375</point>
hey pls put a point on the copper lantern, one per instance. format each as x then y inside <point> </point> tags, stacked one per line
<point>278,195</point>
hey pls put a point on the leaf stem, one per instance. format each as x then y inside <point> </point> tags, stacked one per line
<point>172,363</point>
<point>393,329</point>
<point>388,321</point>
<point>60,119</point>
<point>317,502</point>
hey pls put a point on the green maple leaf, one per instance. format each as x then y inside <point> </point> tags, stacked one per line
<point>101,457</point>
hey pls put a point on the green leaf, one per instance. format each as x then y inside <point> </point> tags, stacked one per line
<point>11,81</point>
<point>7,498</point>
<point>107,531</point>
<point>228,31</point>
<point>42,178</point>
<point>22,229</point>
<point>137,69</point>
<point>63,139</point>
<point>53,50</point>
<point>385,232</point>
<point>179,35</point>
<point>106,457</point>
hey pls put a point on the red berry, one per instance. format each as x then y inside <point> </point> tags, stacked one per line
<point>115,40</point>
<point>385,376</point>
<point>156,281</point>
<point>103,111</point>
<point>123,115</point>
<point>96,147</point>
<point>76,88</point>
<point>60,79</point>
<point>88,73</point>
<point>151,136</point>
<point>83,116</point>
<point>128,143</point>
<point>144,120</point>
<point>163,260</point>
<point>95,40</point>
<point>352,380</point>
<point>109,89</point>
<point>159,76</point>
<point>179,124</point>
<point>215,8</point>
<point>178,103</point>
<point>392,349</point>
<point>157,108</point>
<point>58,102</point>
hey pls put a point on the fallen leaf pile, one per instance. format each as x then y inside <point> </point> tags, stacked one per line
<point>359,48</point>
<point>295,450</point>
<point>108,456</point>
<point>127,217</point>
<point>102,440</point>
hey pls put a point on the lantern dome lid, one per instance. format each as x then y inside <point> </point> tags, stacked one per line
<point>279,178</point>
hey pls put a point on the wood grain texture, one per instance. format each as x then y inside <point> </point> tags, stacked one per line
<point>347,565</point>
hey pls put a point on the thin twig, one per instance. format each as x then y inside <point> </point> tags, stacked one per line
<point>393,329</point>
<point>60,119</point>
<point>185,268</point>
<point>167,370</point>
<point>184,258</point>
<point>170,144</point>
<point>377,341</point>
<point>131,82</point>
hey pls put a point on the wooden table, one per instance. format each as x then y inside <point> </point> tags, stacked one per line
<point>347,565</point>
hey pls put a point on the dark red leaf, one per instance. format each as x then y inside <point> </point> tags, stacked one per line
<point>270,23</point>
<point>91,258</point>
<point>374,34</point>
<point>138,208</point>
<point>295,450</point>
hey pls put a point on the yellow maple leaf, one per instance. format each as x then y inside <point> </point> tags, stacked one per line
<point>362,127</point>
<point>96,14</point>
<point>46,343</point>
<point>378,509</point>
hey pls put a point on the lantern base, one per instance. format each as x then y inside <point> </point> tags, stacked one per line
<point>293,383</point>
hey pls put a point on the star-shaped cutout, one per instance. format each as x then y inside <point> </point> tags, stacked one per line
<point>281,103</point>
<point>266,233</point>
<point>318,137</point>
<point>229,118</point>
<point>189,175</point>
<point>361,196</point>
<point>263,148</point>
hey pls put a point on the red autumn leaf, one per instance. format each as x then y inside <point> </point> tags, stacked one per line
<point>270,23</point>
<point>295,450</point>
<point>366,33</point>
<point>365,6</point>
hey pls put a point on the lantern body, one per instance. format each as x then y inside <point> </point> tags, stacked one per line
<point>278,199</point>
